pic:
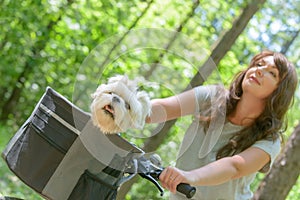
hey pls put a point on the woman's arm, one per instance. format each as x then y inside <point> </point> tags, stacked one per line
<point>218,172</point>
<point>172,107</point>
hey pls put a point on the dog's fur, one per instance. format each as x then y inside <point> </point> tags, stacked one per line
<point>118,105</point>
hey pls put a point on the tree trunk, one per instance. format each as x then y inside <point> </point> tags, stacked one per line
<point>287,45</point>
<point>127,186</point>
<point>284,173</point>
<point>172,39</point>
<point>226,42</point>
<point>219,51</point>
<point>286,169</point>
<point>9,104</point>
<point>116,44</point>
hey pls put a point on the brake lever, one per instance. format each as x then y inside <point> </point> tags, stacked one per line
<point>151,169</point>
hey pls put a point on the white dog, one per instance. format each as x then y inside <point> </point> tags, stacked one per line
<point>118,105</point>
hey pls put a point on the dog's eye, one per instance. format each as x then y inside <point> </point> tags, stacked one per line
<point>127,106</point>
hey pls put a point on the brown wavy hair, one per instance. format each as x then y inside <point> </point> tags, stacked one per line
<point>272,122</point>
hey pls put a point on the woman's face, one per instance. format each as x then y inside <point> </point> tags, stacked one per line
<point>262,79</point>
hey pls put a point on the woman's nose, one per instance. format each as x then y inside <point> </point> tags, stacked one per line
<point>259,72</point>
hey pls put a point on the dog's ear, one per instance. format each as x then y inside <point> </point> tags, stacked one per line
<point>100,89</point>
<point>144,99</point>
<point>117,78</point>
<point>131,84</point>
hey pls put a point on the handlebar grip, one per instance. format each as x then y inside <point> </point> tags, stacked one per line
<point>186,189</point>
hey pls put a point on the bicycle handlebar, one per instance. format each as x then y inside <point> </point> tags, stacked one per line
<point>150,169</point>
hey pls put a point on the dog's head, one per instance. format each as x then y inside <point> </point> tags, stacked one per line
<point>118,105</point>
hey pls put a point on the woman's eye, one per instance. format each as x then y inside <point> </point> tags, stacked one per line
<point>259,64</point>
<point>273,74</point>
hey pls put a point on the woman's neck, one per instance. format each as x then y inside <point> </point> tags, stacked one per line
<point>246,111</point>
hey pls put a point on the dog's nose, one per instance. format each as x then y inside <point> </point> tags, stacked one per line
<point>116,99</point>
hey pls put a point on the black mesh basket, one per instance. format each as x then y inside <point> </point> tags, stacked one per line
<point>61,155</point>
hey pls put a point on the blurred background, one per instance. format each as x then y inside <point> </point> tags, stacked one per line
<point>75,45</point>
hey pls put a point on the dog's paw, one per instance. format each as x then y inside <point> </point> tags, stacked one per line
<point>145,103</point>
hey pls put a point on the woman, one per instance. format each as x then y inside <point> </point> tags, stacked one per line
<point>222,156</point>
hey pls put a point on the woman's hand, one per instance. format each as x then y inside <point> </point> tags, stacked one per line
<point>172,176</point>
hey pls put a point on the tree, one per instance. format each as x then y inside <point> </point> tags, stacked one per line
<point>49,47</point>
<point>286,168</point>
<point>224,44</point>
<point>285,171</point>
<point>28,68</point>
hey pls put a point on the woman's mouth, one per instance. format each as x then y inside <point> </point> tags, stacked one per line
<point>254,79</point>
